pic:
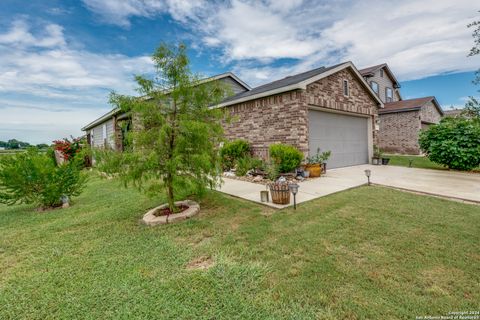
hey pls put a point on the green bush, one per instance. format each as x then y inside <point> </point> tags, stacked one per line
<point>34,177</point>
<point>233,151</point>
<point>272,170</point>
<point>288,157</point>
<point>454,142</point>
<point>243,165</point>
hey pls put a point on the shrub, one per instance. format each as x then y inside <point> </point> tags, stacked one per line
<point>288,157</point>
<point>69,149</point>
<point>272,170</point>
<point>454,142</point>
<point>243,165</point>
<point>34,177</point>
<point>233,151</point>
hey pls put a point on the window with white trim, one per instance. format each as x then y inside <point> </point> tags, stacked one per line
<point>374,86</point>
<point>346,91</point>
<point>381,73</point>
<point>388,94</point>
<point>104,133</point>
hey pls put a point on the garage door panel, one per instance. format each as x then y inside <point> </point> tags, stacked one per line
<point>346,136</point>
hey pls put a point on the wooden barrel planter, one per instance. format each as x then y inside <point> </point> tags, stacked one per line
<point>280,193</point>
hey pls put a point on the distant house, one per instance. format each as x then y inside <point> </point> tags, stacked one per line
<point>453,113</point>
<point>108,131</point>
<point>400,121</point>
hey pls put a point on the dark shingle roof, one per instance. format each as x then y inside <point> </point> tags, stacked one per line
<point>371,69</point>
<point>287,81</point>
<point>408,105</point>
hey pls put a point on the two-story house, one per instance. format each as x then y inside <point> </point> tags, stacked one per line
<point>400,121</point>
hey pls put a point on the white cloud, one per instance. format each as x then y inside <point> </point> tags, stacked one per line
<point>416,38</point>
<point>40,67</point>
<point>119,12</point>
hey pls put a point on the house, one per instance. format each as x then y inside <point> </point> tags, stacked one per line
<point>108,130</point>
<point>400,121</point>
<point>330,108</point>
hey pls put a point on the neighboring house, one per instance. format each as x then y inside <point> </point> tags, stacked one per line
<point>108,130</point>
<point>401,122</point>
<point>383,82</point>
<point>454,113</point>
<point>328,108</point>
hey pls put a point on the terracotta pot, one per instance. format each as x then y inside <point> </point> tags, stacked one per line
<point>315,169</point>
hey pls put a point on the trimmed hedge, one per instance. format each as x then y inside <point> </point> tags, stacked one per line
<point>286,156</point>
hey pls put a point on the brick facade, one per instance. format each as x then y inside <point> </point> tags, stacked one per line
<point>283,118</point>
<point>399,131</point>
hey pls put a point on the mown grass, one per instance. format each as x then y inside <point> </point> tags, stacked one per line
<point>367,253</point>
<point>417,162</point>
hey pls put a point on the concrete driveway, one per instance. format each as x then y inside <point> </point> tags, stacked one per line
<point>464,186</point>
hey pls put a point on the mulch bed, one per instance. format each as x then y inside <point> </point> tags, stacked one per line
<point>166,211</point>
<point>265,181</point>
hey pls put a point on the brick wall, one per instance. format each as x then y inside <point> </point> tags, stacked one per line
<point>283,118</point>
<point>280,118</point>
<point>429,113</point>
<point>399,132</point>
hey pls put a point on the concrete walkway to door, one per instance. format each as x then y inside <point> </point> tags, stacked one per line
<point>464,186</point>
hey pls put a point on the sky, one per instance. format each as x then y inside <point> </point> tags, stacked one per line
<point>60,59</point>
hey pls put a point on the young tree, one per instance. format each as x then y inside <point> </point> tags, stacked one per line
<point>175,135</point>
<point>476,45</point>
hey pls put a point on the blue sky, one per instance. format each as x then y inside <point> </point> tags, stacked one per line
<point>60,59</point>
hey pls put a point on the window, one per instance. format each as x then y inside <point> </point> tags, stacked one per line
<point>345,88</point>
<point>381,73</point>
<point>104,133</point>
<point>388,94</point>
<point>374,86</point>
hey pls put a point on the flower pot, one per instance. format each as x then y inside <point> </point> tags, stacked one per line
<point>385,161</point>
<point>375,161</point>
<point>280,193</point>
<point>306,173</point>
<point>315,169</point>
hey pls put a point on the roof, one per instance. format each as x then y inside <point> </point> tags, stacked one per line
<point>370,71</point>
<point>297,81</point>
<point>453,112</point>
<point>409,105</point>
<point>116,111</point>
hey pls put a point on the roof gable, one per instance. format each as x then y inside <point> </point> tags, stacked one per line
<point>410,105</point>
<point>370,72</point>
<point>298,81</point>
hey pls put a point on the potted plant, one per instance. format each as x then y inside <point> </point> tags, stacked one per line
<point>280,192</point>
<point>313,164</point>
<point>377,155</point>
<point>324,157</point>
<point>385,160</point>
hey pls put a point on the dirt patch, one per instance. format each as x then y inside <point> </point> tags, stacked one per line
<point>200,263</point>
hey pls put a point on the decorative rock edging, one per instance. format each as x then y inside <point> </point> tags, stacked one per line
<point>150,219</point>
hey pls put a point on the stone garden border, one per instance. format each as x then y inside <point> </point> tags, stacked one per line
<point>151,220</point>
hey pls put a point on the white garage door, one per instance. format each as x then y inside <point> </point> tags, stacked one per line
<point>346,136</point>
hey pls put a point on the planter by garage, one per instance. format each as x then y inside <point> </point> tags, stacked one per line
<point>376,161</point>
<point>152,217</point>
<point>315,169</point>
<point>385,161</point>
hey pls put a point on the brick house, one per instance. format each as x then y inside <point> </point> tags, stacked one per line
<point>328,108</point>
<point>400,121</point>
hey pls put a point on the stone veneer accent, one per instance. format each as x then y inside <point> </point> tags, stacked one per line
<point>399,131</point>
<point>283,118</point>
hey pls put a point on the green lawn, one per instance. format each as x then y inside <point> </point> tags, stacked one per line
<point>367,253</point>
<point>418,162</point>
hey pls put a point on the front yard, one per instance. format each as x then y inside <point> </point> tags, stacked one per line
<point>367,253</point>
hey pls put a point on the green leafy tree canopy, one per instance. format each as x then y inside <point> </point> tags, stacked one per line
<point>175,136</point>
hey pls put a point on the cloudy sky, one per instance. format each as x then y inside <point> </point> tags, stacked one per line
<point>59,59</point>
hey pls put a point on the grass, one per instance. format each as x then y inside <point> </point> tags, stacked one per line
<point>418,162</point>
<point>367,253</point>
